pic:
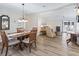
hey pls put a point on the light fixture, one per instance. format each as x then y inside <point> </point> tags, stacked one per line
<point>43,6</point>
<point>77,9</point>
<point>23,18</point>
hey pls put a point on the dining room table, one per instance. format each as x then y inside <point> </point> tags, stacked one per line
<point>19,36</point>
<point>14,35</point>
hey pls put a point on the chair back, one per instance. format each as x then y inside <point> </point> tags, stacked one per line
<point>34,29</point>
<point>20,30</point>
<point>4,38</point>
<point>32,36</point>
<point>73,37</point>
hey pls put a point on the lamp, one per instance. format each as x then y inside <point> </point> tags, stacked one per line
<point>77,9</point>
<point>22,19</point>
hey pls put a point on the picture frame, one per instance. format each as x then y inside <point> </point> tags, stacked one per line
<point>4,22</point>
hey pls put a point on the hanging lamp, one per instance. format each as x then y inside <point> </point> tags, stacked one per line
<point>77,9</point>
<point>23,18</point>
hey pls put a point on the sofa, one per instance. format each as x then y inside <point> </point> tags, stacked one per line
<point>48,31</point>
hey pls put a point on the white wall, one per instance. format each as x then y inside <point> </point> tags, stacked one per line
<point>54,17</point>
<point>32,21</point>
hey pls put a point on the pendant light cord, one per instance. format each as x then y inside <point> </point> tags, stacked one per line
<point>23,10</point>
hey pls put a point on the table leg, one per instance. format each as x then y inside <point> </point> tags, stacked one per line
<point>20,44</point>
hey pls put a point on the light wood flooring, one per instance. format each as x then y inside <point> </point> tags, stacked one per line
<point>47,47</point>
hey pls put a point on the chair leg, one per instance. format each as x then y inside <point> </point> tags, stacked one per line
<point>25,45</point>
<point>6,51</point>
<point>20,46</point>
<point>2,48</point>
<point>30,48</point>
<point>35,44</point>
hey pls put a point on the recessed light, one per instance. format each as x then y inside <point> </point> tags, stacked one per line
<point>43,6</point>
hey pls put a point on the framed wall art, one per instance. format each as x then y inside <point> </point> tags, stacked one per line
<point>4,22</point>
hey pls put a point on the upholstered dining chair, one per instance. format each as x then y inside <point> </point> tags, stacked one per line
<point>34,29</point>
<point>30,40</point>
<point>21,30</point>
<point>6,42</point>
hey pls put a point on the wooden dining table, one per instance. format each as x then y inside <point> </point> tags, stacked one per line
<point>19,36</point>
<point>15,35</point>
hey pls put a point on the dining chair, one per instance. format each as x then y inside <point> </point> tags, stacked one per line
<point>7,42</point>
<point>21,45</point>
<point>19,30</point>
<point>30,40</point>
<point>73,39</point>
<point>34,29</point>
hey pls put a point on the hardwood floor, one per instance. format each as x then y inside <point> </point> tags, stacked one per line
<point>47,47</point>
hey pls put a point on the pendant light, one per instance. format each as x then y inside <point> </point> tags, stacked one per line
<point>23,18</point>
<point>77,9</point>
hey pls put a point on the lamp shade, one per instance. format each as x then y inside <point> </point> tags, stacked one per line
<point>78,11</point>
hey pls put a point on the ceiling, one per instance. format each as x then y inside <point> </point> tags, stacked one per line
<point>31,7</point>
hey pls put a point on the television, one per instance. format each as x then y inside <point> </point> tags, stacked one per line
<point>57,28</point>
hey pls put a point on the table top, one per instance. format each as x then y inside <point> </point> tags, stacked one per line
<point>71,32</point>
<point>19,34</point>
